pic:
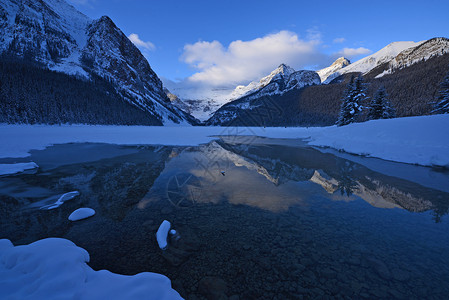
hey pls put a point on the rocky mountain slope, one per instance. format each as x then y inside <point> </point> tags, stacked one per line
<point>203,103</point>
<point>280,81</point>
<point>336,66</point>
<point>395,56</point>
<point>56,36</point>
<point>424,51</point>
<point>372,61</point>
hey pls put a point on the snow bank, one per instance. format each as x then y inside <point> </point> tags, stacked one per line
<point>56,268</point>
<point>416,140</point>
<point>8,169</point>
<point>81,214</point>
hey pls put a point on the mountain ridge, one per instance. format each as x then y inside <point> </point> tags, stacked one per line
<point>58,37</point>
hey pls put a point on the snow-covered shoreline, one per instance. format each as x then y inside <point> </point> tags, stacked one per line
<point>415,140</point>
<point>55,268</point>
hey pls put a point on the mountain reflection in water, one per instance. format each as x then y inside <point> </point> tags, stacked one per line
<point>270,218</point>
<point>275,177</point>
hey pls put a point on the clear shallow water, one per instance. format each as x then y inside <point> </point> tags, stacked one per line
<point>266,219</point>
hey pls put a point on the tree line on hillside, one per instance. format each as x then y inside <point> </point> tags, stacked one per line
<point>380,107</point>
<point>32,95</point>
<point>442,101</point>
<point>351,105</point>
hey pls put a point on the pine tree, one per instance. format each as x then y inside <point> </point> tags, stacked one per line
<point>380,106</point>
<point>442,103</point>
<point>351,102</point>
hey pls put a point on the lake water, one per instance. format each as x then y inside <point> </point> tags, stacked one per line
<point>257,218</point>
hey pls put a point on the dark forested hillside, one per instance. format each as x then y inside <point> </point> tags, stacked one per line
<point>29,94</point>
<point>410,90</point>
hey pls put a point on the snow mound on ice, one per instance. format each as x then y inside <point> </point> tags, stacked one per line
<point>81,213</point>
<point>56,268</point>
<point>162,234</point>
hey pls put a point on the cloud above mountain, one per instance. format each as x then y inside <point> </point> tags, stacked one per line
<point>134,38</point>
<point>352,52</point>
<point>242,61</point>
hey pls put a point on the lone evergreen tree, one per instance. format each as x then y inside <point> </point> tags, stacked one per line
<point>380,106</point>
<point>350,106</point>
<point>442,103</point>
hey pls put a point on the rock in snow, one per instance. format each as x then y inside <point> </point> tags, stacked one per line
<point>162,234</point>
<point>81,213</point>
<point>56,268</point>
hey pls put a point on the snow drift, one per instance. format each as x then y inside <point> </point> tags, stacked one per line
<point>56,268</point>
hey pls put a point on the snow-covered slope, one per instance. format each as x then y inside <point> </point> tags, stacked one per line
<point>279,81</point>
<point>202,103</point>
<point>372,61</point>
<point>337,65</point>
<point>410,56</point>
<point>283,71</point>
<point>57,36</point>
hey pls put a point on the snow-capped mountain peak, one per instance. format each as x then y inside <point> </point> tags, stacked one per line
<point>423,51</point>
<point>57,36</point>
<point>374,60</point>
<point>337,65</point>
<point>241,90</point>
<point>281,80</point>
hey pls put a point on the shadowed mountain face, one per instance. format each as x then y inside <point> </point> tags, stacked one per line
<point>56,36</point>
<point>246,209</point>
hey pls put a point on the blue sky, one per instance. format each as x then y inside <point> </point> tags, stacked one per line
<point>226,42</point>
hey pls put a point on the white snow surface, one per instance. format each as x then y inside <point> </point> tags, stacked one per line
<point>8,169</point>
<point>162,234</point>
<point>368,63</point>
<point>55,268</point>
<point>81,214</point>
<point>420,140</point>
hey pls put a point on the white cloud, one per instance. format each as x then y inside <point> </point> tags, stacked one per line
<point>313,34</point>
<point>133,37</point>
<point>352,52</point>
<point>339,40</point>
<point>244,61</point>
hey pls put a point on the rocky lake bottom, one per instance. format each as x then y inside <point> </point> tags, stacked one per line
<point>257,218</point>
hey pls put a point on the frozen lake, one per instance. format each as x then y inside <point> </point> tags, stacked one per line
<point>258,218</point>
